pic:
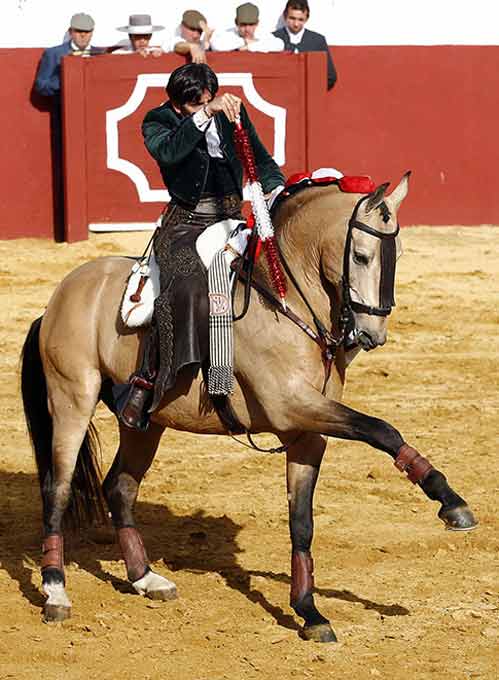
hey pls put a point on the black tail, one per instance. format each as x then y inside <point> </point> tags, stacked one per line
<point>86,504</point>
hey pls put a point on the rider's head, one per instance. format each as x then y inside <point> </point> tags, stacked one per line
<point>190,86</point>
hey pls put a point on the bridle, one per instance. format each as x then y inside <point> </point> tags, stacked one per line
<point>387,273</point>
<point>347,332</point>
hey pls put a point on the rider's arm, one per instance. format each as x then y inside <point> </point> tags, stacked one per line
<point>268,171</point>
<point>169,140</point>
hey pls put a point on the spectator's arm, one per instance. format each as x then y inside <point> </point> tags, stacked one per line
<point>48,81</point>
<point>268,43</point>
<point>331,70</point>
<point>226,41</point>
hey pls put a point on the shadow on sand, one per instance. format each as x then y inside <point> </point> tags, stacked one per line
<point>197,543</point>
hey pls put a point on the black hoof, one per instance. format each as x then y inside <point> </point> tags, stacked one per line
<point>56,612</point>
<point>458,519</point>
<point>321,632</point>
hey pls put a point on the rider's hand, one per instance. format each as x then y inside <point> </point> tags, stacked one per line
<point>228,103</point>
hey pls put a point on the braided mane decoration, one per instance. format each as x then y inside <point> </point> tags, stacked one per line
<point>264,227</point>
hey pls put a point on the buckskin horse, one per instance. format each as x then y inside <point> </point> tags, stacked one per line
<point>339,251</point>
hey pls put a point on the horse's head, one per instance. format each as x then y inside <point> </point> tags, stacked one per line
<point>372,245</point>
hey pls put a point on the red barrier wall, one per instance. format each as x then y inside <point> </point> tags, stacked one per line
<point>429,109</point>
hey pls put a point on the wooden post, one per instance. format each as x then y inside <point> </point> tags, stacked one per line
<point>74,141</point>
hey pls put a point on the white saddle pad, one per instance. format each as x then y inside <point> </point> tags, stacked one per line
<point>139,313</point>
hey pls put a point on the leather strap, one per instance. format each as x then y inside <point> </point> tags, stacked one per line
<point>302,575</point>
<point>133,551</point>
<point>416,467</point>
<point>53,552</point>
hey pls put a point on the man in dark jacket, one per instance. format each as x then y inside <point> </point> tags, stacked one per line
<point>48,79</point>
<point>191,137</point>
<point>299,39</point>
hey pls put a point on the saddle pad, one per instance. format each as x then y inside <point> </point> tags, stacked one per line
<point>215,238</point>
<point>139,313</point>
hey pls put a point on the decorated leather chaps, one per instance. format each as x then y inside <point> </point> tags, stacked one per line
<point>181,311</point>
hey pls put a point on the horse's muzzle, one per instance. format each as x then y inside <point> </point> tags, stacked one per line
<point>369,341</point>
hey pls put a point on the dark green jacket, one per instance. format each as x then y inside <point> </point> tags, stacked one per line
<point>179,149</point>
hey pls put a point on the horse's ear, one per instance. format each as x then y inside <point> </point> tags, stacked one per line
<point>400,191</point>
<point>377,198</point>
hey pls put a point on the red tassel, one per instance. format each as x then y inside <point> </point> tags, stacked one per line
<point>247,158</point>
<point>276,274</point>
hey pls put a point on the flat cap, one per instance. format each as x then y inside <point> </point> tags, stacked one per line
<point>82,22</point>
<point>192,19</point>
<point>247,14</point>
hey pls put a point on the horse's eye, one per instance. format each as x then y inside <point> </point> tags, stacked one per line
<point>360,258</point>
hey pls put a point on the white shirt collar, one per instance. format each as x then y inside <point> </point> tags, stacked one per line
<point>75,48</point>
<point>295,38</point>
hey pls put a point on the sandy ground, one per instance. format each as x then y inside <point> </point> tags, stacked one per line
<point>407,599</point>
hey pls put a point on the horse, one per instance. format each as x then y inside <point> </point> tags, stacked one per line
<point>287,382</point>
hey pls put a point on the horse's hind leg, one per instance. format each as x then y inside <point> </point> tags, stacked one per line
<point>121,486</point>
<point>303,463</point>
<point>71,410</point>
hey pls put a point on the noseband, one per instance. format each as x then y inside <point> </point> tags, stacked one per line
<point>387,275</point>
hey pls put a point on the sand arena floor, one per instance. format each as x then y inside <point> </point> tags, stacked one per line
<point>407,598</point>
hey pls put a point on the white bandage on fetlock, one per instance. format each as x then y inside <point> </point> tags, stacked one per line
<point>56,595</point>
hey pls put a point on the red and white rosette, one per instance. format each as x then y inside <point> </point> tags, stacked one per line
<point>263,222</point>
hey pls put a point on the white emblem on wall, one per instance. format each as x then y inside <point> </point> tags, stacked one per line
<point>146,80</point>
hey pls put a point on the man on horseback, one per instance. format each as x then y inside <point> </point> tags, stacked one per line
<point>191,139</point>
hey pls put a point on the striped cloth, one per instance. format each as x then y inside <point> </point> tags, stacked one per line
<point>221,370</point>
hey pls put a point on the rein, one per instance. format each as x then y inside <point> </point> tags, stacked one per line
<point>243,267</point>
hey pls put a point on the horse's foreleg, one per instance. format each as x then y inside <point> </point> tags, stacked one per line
<point>303,463</point>
<point>336,420</point>
<point>121,486</point>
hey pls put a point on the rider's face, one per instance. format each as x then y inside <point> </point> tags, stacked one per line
<point>191,107</point>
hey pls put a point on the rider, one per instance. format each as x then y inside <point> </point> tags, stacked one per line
<point>191,139</point>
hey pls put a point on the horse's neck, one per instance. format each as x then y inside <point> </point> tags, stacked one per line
<point>300,244</point>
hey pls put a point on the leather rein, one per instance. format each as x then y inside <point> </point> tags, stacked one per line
<point>323,337</point>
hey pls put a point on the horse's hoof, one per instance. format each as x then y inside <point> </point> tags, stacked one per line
<point>56,612</point>
<point>458,519</point>
<point>163,594</point>
<point>321,632</point>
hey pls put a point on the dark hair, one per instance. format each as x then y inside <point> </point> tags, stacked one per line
<point>187,83</point>
<point>301,5</point>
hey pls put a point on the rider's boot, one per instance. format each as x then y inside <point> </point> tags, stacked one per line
<point>134,410</point>
<point>134,401</point>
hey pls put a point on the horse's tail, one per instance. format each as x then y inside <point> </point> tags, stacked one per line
<point>86,503</point>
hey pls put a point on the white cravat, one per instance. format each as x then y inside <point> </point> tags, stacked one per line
<point>207,125</point>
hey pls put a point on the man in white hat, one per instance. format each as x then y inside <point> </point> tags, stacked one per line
<point>140,29</point>
<point>48,78</point>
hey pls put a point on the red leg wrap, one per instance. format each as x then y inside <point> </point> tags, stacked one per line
<point>133,551</point>
<point>302,575</point>
<point>416,467</point>
<point>53,552</point>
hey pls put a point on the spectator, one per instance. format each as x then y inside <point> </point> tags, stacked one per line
<point>192,37</point>
<point>299,39</point>
<point>48,79</point>
<point>140,30</point>
<point>246,35</point>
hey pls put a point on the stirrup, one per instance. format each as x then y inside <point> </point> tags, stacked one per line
<point>133,406</point>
